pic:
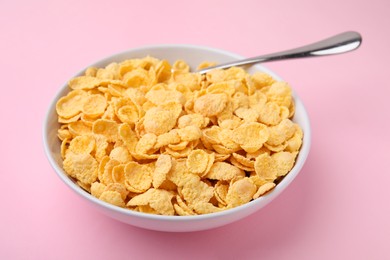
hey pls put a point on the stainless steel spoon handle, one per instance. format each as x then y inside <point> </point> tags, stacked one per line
<point>337,44</point>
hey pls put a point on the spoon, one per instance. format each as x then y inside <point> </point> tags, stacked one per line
<point>340,43</point>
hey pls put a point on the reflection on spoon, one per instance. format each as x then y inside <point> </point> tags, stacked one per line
<point>340,43</point>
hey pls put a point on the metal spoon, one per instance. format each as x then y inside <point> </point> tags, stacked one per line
<point>337,44</point>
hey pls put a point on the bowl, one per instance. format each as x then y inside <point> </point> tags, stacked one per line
<point>193,55</point>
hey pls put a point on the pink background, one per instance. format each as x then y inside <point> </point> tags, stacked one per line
<point>337,208</point>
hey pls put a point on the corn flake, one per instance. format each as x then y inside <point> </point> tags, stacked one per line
<point>72,104</point>
<point>82,144</point>
<point>112,197</point>
<point>97,189</point>
<point>107,128</point>
<point>240,192</point>
<point>210,104</point>
<point>163,166</point>
<point>94,105</point>
<point>84,82</point>
<point>264,189</point>
<point>158,120</point>
<point>138,177</point>
<point>159,200</point>
<point>121,154</point>
<point>251,136</point>
<point>197,161</point>
<point>224,171</point>
<point>81,166</point>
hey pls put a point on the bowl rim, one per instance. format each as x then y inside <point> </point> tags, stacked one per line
<point>302,156</point>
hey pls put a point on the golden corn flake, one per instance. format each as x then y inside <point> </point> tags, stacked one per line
<point>64,134</point>
<point>136,78</point>
<point>64,147</point>
<point>261,79</point>
<point>146,143</point>
<point>106,175</point>
<point>72,104</point>
<point>179,146</point>
<point>118,174</point>
<point>182,208</point>
<point>84,82</point>
<point>149,136</point>
<point>91,72</point>
<point>178,153</point>
<point>118,187</point>
<point>240,192</point>
<point>101,146</point>
<point>112,197</point>
<point>243,160</point>
<point>197,161</point>
<point>247,114</point>
<point>159,200</point>
<point>264,189</point>
<point>107,128</point>
<point>141,199</point>
<point>181,212</point>
<point>216,75</point>
<point>190,133</point>
<point>269,167</point>
<point>172,137</point>
<point>159,121</point>
<point>163,71</point>
<point>189,80</point>
<point>236,73</point>
<point>265,167</point>
<point>128,114</point>
<point>284,162</point>
<point>79,128</point>
<point>97,189</point>
<point>295,142</point>
<point>102,164</point>
<point>162,96</point>
<point>211,135</point>
<point>226,138</point>
<point>162,202</point>
<point>206,64</point>
<point>81,166</point>
<point>227,87</point>
<point>193,119</point>
<point>270,114</point>
<point>210,104</point>
<point>121,154</point>
<point>251,136</point>
<point>162,167</point>
<point>243,167</point>
<point>224,171</point>
<point>201,207</point>
<point>195,190</point>
<point>181,66</point>
<point>220,191</point>
<point>75,118</point>
<point>257,101</point>
<point>280,92</point>
<point>94,105</point>
<point>127,136</point>
<point>138,177</point>
<point>82,144</point>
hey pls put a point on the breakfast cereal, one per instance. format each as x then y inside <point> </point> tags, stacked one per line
<point>154,137</point>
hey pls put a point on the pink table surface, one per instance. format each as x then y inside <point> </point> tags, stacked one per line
<point>337,208</point>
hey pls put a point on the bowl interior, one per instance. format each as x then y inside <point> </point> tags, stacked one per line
<point>193,55</point>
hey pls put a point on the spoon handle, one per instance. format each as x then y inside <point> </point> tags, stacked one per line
<point>337,44</point>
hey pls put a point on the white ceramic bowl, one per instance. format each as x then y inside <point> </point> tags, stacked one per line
<point>193,55</point>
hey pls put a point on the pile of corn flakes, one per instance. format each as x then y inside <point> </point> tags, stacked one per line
<point>153,137</point>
